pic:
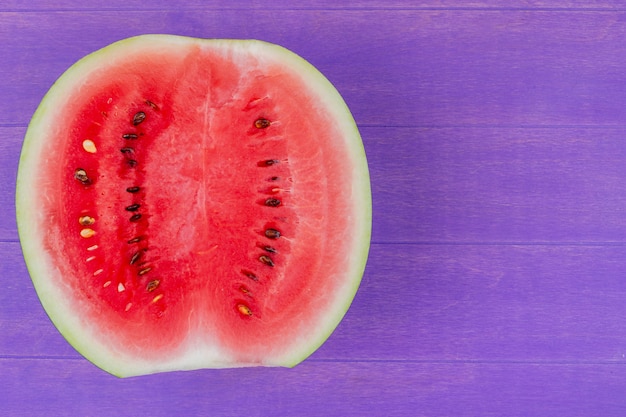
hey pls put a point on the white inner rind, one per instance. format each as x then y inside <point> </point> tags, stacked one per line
<point>46,277</point>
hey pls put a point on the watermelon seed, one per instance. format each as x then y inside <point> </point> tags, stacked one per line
<point>151,104</point>
<point>272,233</point>
<point>86,220</point>
<point>94,247</point>
<point>133,189</point>
<point>133,207</point>
<point>89,146</point>
<point>244,290</point>
<point>138,118</point>
<point>272,202</point>
<point>157,298</point>
<point>127,151</point>
<point>136,256</point>
<point>129,136</point>
<point>269,249</point>
<point>131,163</point>
<point>250,275</point>
<point>268,162</point>
<point>135,217</point>
<point>81,175</point>
<point>87,233</point>
<point>262,123</point>
<point>97,272</point>
<point>274,178</point>
<point>266,260</point>
<point>145,270</point>
<point>91,258</point>
<point>106,284</point>
<point>120,287</point>
<point>128,306</point>
<point>244,309</point>
<point>152,285</point>
<point>134,240</point>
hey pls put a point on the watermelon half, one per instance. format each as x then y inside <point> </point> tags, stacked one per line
<point>189,203</point>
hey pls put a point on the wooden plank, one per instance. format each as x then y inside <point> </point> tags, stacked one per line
<point>43,5</point>
<point>497,184</point>
<point>71,388</point>
<point>450,67</point>
<point>429,303</point>
<point>462,184</point>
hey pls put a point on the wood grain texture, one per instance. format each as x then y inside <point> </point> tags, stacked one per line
<point>495,133</point>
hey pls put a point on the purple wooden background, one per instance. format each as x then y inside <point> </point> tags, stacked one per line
<point>496,137</point>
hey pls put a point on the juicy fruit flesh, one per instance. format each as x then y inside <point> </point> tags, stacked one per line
<point>187,204</point>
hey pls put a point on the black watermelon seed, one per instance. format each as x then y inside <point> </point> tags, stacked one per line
<point>268,162</point>
<point>272,202</point>
<point>129,136</point>
<point>266,260</point>
<point>133,189</point>
<point>138,118</point>
<point>135,217</point>
<point>151,104</point>
<point>81,175</point>
<point>250,275</point>
<point>152,285</point>
<point>133,207</point>
<point>136,256</point>
<point>272,233</point>
<point>262,123</point>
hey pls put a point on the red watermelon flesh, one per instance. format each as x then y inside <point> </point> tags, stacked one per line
<point>186,203</point>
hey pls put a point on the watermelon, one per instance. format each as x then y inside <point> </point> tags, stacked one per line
<point>190,203</point>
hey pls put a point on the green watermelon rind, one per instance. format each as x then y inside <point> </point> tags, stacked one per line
<point>40,265</point>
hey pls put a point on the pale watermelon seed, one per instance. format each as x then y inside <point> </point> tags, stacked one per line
<point>244,309</point>
<point>89,146</point>
<point>87,233</point>
<point>145,270</point>
<point>94,247</point>
<point>91,258</point>
<point>120,287</point>
<point>157,298</point>
<point>98,272</point>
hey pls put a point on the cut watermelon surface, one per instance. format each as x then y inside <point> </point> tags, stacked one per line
<point>186,203</point>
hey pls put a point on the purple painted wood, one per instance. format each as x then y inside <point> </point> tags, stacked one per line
<point>495,135</point>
